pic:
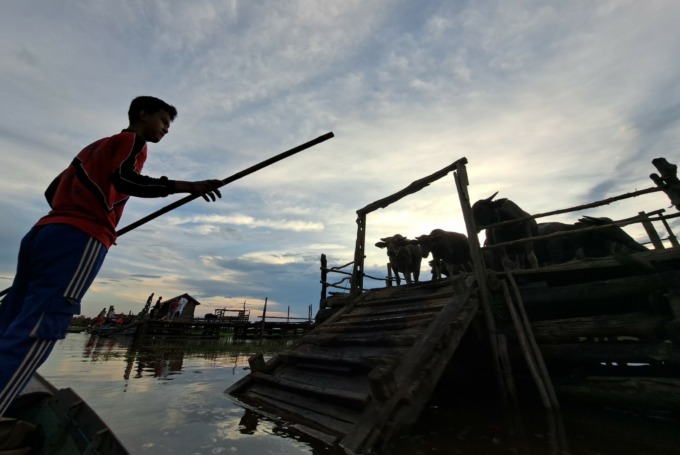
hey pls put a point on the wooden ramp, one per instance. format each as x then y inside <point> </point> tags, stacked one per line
<point>368,371</point>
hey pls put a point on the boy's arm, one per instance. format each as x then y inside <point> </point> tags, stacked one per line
<point>143,186</point>
<point>208,189</point>
<point>127,180</point>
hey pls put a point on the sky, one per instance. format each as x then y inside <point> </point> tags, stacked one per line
<point>553,104</point>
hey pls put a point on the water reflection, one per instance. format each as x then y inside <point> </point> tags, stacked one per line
<point>163,396</point>
<point>164,360</point>
<point>251,422</point>
<point>157,364</point>
<point>163,357</point>
<point>104,348</point>
<point>167,395</point>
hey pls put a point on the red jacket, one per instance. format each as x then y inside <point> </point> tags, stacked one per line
<point>91,193</point>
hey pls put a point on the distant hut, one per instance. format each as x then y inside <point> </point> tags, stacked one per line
<point>180,308</point>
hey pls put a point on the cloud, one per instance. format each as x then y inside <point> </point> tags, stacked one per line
<point>207,223</point>
<point>553,105</point>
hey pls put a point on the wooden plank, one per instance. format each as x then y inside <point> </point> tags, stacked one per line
<point>369,428</point>
<point>393,317</point>
<point>381,325</point>
<point>424,305</point>
<point>378,340</point>
<point>420,389</point>
<point>300,409</point>
<point>325,379</point>
<point>369,355</point>
<point>592,265</point>
<point>348,398</point>
<point>403,296</point>
<point>637,324</point>
<point>634,393</point>
<point>619,295</point>
<point>665,353</point>
<point>414,187</point>
<point>375,330</point>
<point>306,403</point>
<point>301,358</point>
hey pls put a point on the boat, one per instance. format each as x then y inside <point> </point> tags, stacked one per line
<point>51,421</point>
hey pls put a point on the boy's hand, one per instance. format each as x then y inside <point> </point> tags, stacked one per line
<point>208,189</point>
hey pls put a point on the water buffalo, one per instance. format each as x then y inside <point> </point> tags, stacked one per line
<point>558,249</point>
<point>450,249</point>
<point>487,212</point>
<point>438,269</point>
<point>606,242</point>
<point>404,257</point>
<point>583,244</point>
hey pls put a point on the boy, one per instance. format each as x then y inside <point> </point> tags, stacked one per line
<point>61,255</point>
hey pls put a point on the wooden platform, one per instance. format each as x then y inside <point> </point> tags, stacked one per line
<point>367,372</point>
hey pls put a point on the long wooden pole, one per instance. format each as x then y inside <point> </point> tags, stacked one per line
<point>225,181</point>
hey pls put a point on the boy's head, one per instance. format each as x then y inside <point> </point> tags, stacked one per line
<point>149,105</point>
<point>150,117</point>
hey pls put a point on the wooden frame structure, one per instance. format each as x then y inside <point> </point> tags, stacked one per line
<point>357,281</point>
<point>365,373</point>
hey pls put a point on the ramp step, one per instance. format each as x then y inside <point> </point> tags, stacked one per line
<point>346,397</point>
<point>332,419</point>
<point>303,360</point>
<point>368,355</point>
<point>378,324</point>
<point>369,370</point>
<point>340,340</point>
<point>430,305</point>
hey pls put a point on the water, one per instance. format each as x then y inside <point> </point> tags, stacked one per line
<point>168,398</point>
<point>165,399</point>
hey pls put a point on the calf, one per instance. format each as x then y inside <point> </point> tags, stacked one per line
<point>404,257</point>
<point>450,249</point>
<point>487,212</point>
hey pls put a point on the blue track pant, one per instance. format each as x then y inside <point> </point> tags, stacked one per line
<point>57,264</point>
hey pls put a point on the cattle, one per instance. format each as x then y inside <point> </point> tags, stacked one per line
<point>606,242</point>
<point>450,249</point>
<point>438,269</point>
<point>561,249</point>
<point>487,211</point>
<point>405,257</point>
<point>583,244</point>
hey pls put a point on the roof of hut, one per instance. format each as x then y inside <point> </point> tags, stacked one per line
<point>185,295</point>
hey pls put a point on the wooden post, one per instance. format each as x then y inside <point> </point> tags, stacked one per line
<point>389,275</point>
<point>256,363</point>
<point>668,180</point>
<point>505,381</point>
<point>324,280</point>
<point>264,316</point>
<point>288,316</point>
<point>651,232</point>
<point>357,283</point>
<point>526,348</point>
<point>673,327</point>
<point>671,236</point>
